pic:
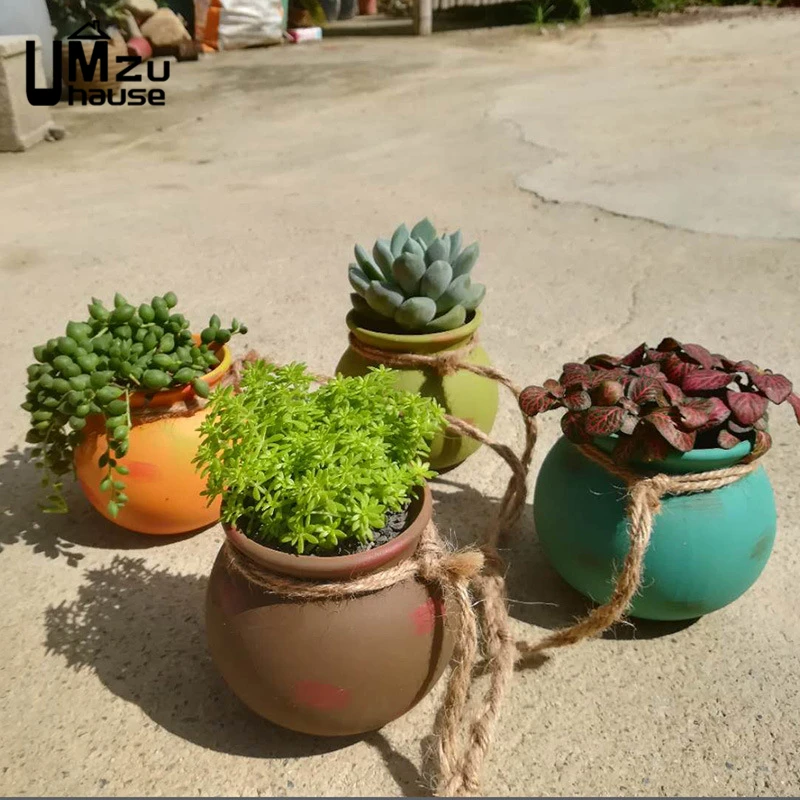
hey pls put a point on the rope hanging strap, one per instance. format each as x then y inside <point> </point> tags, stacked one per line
<point>644,495</point>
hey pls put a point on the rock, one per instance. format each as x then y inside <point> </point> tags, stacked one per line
<point>55,133</point>
<point>141,9</point>
<point>164,29</point>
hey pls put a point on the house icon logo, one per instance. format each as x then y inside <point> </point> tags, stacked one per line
<point>102,81</point>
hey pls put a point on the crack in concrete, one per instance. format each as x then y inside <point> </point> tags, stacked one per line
<point>611,212</point>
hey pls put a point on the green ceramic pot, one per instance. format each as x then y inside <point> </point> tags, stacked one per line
<point>464,394</point>
<point>706,549</point>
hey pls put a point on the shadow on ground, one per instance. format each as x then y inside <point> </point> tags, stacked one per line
<point>141,631</point>
<point>56,536</point>
<point>537,594</point>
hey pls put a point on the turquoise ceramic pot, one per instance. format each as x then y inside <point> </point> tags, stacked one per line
<point>706,549</point>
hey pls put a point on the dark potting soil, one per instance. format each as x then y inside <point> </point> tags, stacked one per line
<point>396,523</point>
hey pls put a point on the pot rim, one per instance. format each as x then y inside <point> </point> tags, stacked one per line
<point>377,559</point>
<point>698,460</point>
<point>396,341</point>
<point>168,397</point>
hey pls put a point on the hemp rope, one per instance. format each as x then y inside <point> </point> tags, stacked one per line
<point>643,503</point>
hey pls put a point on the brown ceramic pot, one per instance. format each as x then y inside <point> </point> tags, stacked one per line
<point>329,668</point>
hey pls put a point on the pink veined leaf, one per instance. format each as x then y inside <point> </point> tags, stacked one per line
<point>635,357</point>
<point>627,447</point>
<point>629,405</point>
<point>608,393</point>
<point>693,416</point>
<point>603,420</point>
<point>534,400</point>
<point>573,367</point>
<point>674,393</point>
<point>699,354</point>
<point>656,355</point>
<point>603,360</point>
<point>762,443</point>
<point>747,407</point>
<point>706,380</point>
<point>717,411</point>
<point>572,424</point>
<point>668,428</point>
<point>761,423</point>
<point>577,401</point>
<point>726,440</point>
<point>653,447</point>
<point>648,370</point>
<point>794,402</point>
<point>676,370</point>
<point>718,361</point>
<point>776,387</point>
<point>554,387</point>
<point>738,430</point>
<point>629,423</point>
<point>668,345</point>
<point>600,375</point>
<point>748,367</point>
<point>644,390</point>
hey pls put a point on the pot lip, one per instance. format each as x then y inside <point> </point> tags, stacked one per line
<point>444,338</point>
<point>340,567</point>
<point>168,397</point>
<point>698,460</point>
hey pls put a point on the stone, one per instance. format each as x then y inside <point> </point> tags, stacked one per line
<point>141,9</point>
<point>21,124</point>
<point>164,29</point>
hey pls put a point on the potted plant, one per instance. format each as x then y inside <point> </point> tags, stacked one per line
<point>676,409</point>
<point>322,486</point>
<point>414,295</point>
<point>116,397</point>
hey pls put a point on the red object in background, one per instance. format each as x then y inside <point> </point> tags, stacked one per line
<point>367,7</point>
<point>140,47</point>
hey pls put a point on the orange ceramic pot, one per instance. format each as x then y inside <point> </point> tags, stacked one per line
<point>163,485</point>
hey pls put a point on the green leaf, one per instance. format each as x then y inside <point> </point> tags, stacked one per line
<point>466,261</point>
<point>415,313</point>
<point>407,271</point>
<point>383,299</point>
<point>399,238</point>
<point>366,264</point>
<point>436,279</point>
<point>424,231</point>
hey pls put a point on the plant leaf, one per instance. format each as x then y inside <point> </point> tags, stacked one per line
<point>577,401</point>
<point>718,412</point>
<point>644,390</point>
<point>554,387</point>
<point>572,424</point>
<point>761,443</point>
<point>674,393</point>
<point>534,400</point>
<point>776,387</point>
<point>676,370</point>
<point>706,380</point>
<point>668,345</point>
<point>603,420</point>
<point>726,440</point>
<point>635,357</point>
<point>648,370</point>
<point>699,354</point>
<point>424,231</point>
<point>603,360</point>
<point>661,420</point>
<point>794,402</point>
<point>747,407</point>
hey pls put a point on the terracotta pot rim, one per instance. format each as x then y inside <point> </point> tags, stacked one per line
<point>411,341</point>
<point>341,567</point>
<point>168,397</point>
<point>698,460</point>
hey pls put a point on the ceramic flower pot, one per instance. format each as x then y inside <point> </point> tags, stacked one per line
<point>706,549</point>
<point>328,668</point>
<point>163,485</point>
<point>464,394</point>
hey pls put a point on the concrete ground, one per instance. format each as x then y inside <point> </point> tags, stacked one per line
<point>626,181</point>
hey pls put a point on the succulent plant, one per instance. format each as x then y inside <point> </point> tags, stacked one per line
<point>675,397</point>
<point>416,281</point>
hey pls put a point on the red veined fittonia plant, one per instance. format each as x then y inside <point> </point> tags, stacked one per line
<point>674,397</point>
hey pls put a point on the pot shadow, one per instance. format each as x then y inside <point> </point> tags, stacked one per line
<point>537,593</point>
<point>141,632</point>
<point>57,535</point>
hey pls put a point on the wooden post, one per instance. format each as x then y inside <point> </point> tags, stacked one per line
<point>423,17</point>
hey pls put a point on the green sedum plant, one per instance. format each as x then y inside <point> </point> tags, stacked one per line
<point>309,471</point>
<point>93,369</point>
<point>417,282</point>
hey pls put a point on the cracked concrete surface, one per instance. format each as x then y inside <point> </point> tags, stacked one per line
<point>245,195</point>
